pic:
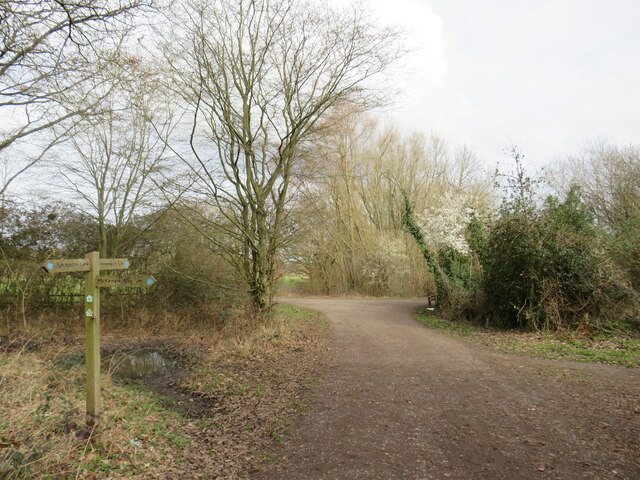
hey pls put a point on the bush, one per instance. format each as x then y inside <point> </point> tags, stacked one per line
<point>547,268</point>
<point>191,273</point>
<point>625,248</point>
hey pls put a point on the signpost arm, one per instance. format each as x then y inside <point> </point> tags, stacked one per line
<point>92,328</point>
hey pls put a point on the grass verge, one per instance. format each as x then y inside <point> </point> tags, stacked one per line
<point>43,433</point>
<point>612,347</point>
<point>248,379</point>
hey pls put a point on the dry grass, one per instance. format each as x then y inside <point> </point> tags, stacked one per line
<point>38,410</point>
<point>256,381</point>
<point>43,433</point>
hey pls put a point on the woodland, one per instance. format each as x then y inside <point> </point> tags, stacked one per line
<point>238,150</point>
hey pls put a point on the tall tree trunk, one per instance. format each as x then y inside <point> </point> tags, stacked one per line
<point>259,270</point>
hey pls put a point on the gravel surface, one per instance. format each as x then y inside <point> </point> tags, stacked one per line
<point>401,401</point>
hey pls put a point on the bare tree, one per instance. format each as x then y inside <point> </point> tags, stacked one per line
<point>119,158</point>
<point>258,75</point>
<point>354,239</point>
<point>48,51</point>
<point>610,180</point>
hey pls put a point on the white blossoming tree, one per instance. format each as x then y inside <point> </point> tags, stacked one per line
<point>387,264</point>
<point>444,226</point>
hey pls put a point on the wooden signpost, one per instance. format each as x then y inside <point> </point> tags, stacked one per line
<point>92,264</point>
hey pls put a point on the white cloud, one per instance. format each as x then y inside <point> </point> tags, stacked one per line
<point>546,75</point>
<point>429,100</point>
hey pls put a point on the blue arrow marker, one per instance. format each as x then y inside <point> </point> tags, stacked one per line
<point>149,281</point>
<point>49,266</point>
<point>126,263</point>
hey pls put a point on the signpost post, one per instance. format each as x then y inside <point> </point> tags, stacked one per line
<point>92,335</point>
<point>92,264</point>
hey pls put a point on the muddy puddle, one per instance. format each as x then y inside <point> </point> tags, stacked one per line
<point>144,365</point>
<point>159,372</point>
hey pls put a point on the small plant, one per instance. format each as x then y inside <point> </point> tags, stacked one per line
<point>298,406</point>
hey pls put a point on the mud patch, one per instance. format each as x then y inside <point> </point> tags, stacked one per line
<point>160,370</point>
<point>185,402</point>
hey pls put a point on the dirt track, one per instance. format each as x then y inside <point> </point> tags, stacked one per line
<point>401,401</point>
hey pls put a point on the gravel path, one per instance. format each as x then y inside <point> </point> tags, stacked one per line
<point>401,401</point>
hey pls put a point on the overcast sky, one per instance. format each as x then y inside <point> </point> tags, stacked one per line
<point>545,75</point>
<point>548,76</point>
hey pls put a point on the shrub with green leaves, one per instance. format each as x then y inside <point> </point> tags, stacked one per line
<point>546,267</point>
<point>625,247</point>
